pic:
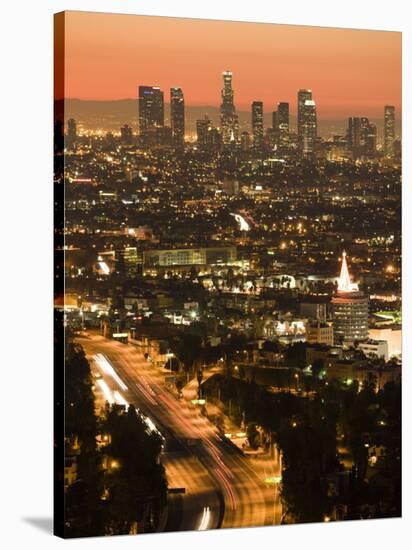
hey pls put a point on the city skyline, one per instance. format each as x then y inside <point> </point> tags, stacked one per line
<point>228,292</point>
<point>353,72</point>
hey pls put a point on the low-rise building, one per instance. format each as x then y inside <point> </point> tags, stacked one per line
<point>375,348</point>
<point>319,333</point>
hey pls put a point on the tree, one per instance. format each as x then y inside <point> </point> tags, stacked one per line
<point>318,366</point>
<point>252,435</point>
<point>134,478</point>
<point>187,348</point>
<point>83,510</point>
<point>295,355</point>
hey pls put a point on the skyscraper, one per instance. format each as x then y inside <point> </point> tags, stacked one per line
<point>151,108</point>
<point>354,133</point>
<point>303,95</point>
<point>283,124</point>
<point>361,137</point>
<point>257,123</point>
<point>389,130</point>
<point>206,133</point>
<point>177,116</point>
<point>245,141</point>
<point>228,118</point>
<point>370,140</point>
<point>350,309</point>
<point>309,127</point>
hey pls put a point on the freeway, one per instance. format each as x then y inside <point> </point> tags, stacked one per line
<point>223,487</point>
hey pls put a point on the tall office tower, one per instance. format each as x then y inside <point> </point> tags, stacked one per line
<point>204,130</point>
<point>126,134</point>
<point>370,140</point>
<point>350,309</point>
<point>303,95</point>
<point>257,123</point>
<point>245,141</point>
<point>71,133</point>
<point>361,136</point>
<point>229,120</point>
<point>309,127</point>
<point>177,116</point>
<point>354,133</point>
<point>283,124</point>
<point>274,120</point>
<point>151,108</point>
<point>389,130</point>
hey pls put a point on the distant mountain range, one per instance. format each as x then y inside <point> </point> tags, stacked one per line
<point>110,115</point>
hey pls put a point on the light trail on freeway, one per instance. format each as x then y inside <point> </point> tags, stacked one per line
<point>197,456</point>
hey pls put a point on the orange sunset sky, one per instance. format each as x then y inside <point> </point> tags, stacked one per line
<point>351,72</point>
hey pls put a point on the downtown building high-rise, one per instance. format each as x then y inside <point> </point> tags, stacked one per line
<point>361,137</point>
<point>303,96</point>
<point>151,108</point>
<point>307,122</point>
<point>208,137</point>
<point>177,116</point>
<point>282,120</point>
<point>257,123</point>
<point>229,119</point>
<point>389,130</point>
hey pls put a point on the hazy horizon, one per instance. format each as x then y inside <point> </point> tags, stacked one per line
<point>111,114</point>
<point>350,72</point>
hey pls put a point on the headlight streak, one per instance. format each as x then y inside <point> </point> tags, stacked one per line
<point>228,489</point>
<point>106,391</point>
<point>106,367</point>
<point>204,523</point>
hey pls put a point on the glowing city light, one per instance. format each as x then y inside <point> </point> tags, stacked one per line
<point>243,224</point>
<point>204,523</point>
<point>344,282</point>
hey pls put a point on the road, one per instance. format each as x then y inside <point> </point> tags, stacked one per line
<point>223,487</point>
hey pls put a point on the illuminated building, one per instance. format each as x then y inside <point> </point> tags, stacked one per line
<point>272,136</point>
<point>204,127</point>
<point>230,186</point>
<point>228,118</point>
<point>257,123</point>
<point>370,140</point>
<point>319,333</point>
<point>245,141</point>
<point>303,95</point>
<point>282,120</point>
<point>361,137</point>
<point>126,134</point>
<point>177,116</point>
<point>151,111</point>
<point>71,133</point>
<point>392,335</point>
<point>208,137</point>
<point>128,259</point>
<point>389,130</point>
<point>354,133</point>
<point>375,348</point>
<point>309,128</point>
<point>189,256</point>
<point>350,310</point>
